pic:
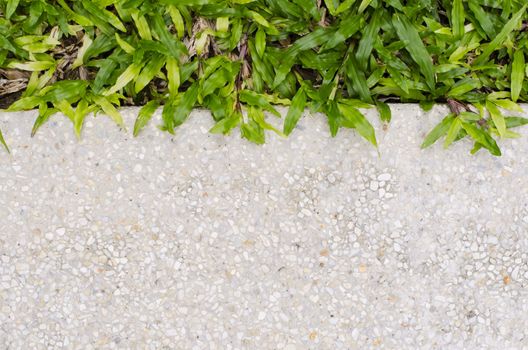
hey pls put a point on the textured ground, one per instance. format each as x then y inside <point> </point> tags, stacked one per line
<point>199,241</point>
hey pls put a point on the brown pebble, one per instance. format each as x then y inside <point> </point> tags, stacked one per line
<point>506,279</point>
<point>249,243</point>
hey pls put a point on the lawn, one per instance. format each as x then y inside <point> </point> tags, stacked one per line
<point>240,58</point>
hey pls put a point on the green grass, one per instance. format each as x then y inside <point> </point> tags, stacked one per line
<point>240,58</point>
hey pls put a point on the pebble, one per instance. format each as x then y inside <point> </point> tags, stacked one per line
<point>384,177</point>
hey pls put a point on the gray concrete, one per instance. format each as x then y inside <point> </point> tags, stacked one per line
<point>199,241</point>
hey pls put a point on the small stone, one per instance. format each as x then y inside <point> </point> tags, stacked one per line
<point>78,247</point>
<point>374,185</point>
<point>137,168</point>
<point>493,240</point>
<point>384,177</point>
<point>22,267</point>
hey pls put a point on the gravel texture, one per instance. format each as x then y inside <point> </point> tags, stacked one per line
<point>199,241</point>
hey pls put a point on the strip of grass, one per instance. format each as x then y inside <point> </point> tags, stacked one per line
<point>239,58</point>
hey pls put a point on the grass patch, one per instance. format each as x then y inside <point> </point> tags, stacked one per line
<point>239,58</point>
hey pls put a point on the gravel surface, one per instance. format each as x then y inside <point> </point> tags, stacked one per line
<point>199,241</point>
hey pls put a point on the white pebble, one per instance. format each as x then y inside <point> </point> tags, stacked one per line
<point>384,177</point>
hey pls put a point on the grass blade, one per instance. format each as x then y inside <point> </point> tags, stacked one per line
<point>452,134</point>
<point>103,14</point>
<point>501,37</point>
<point>131,73</point>
<point>458,18</point>
<point>144,116</point>
<point>151,69</point>
<point>11,7</point>
<point>295,112</point>
<point>254,99</point>
<point>497,117</point>
<point>483,138</point>
<point>439,130</point>
<point>384,111</point>
<point>357,78</point>
<point>517,74</point>
<point>359,122</point>
<point>513,122</point>
<point>3,142</point>
<point>368,37</point>
<point>186,104</point>
<point>109,109</point>
<point>414,45</point>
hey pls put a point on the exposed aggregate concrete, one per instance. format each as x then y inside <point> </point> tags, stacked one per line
<point>200,241</point>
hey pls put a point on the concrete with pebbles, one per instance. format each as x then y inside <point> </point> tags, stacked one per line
<point>199,241</point>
